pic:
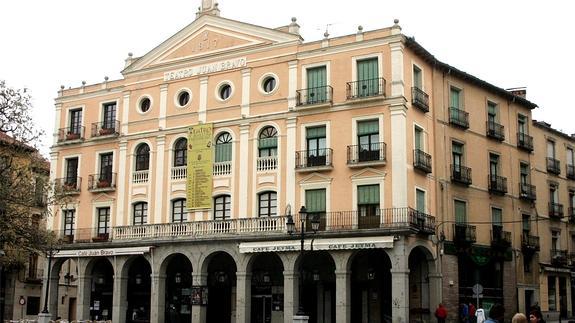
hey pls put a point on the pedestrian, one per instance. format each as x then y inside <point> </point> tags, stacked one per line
<point>519,318</point>
<point>480,315</point>
<point>535,316</point>
<point>496,314</point>
<point>440,313</point>
<point>463,313</point>
<point>472,318</point>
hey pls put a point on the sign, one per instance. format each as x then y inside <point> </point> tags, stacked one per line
<point>206,69</point>
<point>318,244</point>
<point>22,301</point>
<point>102,252</point>
<point>199,181</point>
<point>477,289</point>
<point>199,295</point>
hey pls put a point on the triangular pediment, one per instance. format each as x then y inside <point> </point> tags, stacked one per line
<point>315,178</point>
<point>368,173</point>
<point>103,197</point>
<point>207,37</point>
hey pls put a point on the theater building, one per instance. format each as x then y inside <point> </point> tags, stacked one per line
<point>184,174</point>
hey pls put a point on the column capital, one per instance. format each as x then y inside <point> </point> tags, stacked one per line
<point>342,272</point>
<point>126,94</point>
<point>123,144</point>
<point>204,80</point>
<point>399,271</point>
<point>157,276</point>
<point>164,87</point>
<point>161,139</point>
<point>245,128</point>
<point>243,274</point>
<point>291,122</point>
<point>246,71</point>
<point>293,64</point>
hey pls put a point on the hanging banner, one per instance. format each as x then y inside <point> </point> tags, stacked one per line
<point>199,180</point>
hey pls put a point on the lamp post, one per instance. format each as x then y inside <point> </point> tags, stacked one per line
<point>303,214</point>
<point>49,254</point>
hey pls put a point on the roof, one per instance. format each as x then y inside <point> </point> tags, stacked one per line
<point>428,57</point>
<point>547,126</point>
<point>6,139</point>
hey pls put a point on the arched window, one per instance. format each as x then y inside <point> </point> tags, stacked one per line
<point>143,157</point>
<point>224,147</point>
<point>140,213</point>
<point>181,152</point>
<point>179,212</point>
<point>268,142</point>
<point>222,207</point>
<point>267,204</point>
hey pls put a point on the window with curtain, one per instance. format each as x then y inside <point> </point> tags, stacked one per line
<point>368,77</point>
<point>493,164</point>
<point>491,112</point>
<point>268,142</point>
<point>570,156</point>
<point>368,140</point>
<point>524,173</point>
<point>417,78</point>
<point>496,217</point>
<point>69,220</point>
<point>553,194</point>
<point>418,133</point>
<point>140,213</point>
<point>109,116</point>
<point>223,147</point>
<point>179,212</point>
<point>368,200</point>
<point>316,83</point>
<point>526,219</point>
<point>457,155</point>
<point>103,220</point>
<point>521,124</point>
<point>316,145</point>
<point>267,204</point>
<point>315,200</point>
<point>460,212</point>
<point>222,207</point>
<point>142,157</point>
<point>420,200</point>
<point>550,149</point>
<point>181,152</point>
<point>455,98</point>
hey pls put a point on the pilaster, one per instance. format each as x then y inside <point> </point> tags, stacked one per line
<point>53,174</point>
<point>163,106</point>
<point>342,296</point>
<point>203,104</point>
<point>399,154</point>
<point>120,299</point>
<point>246,80</point>
<point>159,174</point>
<point>243,297</point>
<point>199,312</point>
<point>399,283</point>
<point>291,295</point>
<point>121,182</point>
<point>244,170</point>
<point>57,121</point>
<point>291,124</point>
<point>292,86</point>
<point>125,112</point>
<point>158,298</point>
<point>397,75</point>
<point>83,297</point>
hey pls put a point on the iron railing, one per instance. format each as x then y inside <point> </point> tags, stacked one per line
<point>71,134</point>
<point>529,242</point>
<point>556,210</point>
<point>420,99</point>
<point>461,174</point>
<point>68,185</point>
<point>106,128</point>
<point>315,95</point>
<point>422,160</point>
<point>374,152</point>
<point>102,182</point>
<point>527,192</point>
<point>500,238</point>
<point>524,141</point>
<point>553,166</point>
<point>458,118</point>
<point>312,158</point>
<point>463,233</point>
<point>365,88</point>
<point>495,130</point>
<point>571,214</point>
<point>559,257</point>
<point>497,184</point>
<point>570,171</point>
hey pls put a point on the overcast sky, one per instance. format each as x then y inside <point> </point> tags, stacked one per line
<point>46,44</point>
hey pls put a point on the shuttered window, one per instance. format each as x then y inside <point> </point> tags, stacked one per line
<point>460,212</point>
<point>420,200</point>
<point>496,217</point>
<point>315,200</point>
<point>223,147</point>
<point>316,84</point>
<point>368,194</point>
<point>418,138</point>
<point>368,77</point>
<point>455,101</point>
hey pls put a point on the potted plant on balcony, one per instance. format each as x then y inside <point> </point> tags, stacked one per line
<point>103,183</point>
<point>69,187</point>
<point>101,237</point>
<point>72,135</point>
<point>69,238</point>
<point>106,131</point>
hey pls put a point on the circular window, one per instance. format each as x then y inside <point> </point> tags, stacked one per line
<point>183,98</point>
<point>145,104</point>
<point>225,91</point>
<point>269,84</point>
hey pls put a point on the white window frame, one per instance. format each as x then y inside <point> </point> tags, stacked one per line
<point>355,120</point>
<point>354,60</point>
<point>303,129</point>
<point>305,67</point>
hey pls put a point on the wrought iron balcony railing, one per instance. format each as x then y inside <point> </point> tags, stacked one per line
<point>106,128</point>
<point>559,257</point>
<point>71,134</point>
<point>102,182</point>
<point>497,184</point>
<point>315,95</point>
<point>571,214</point>
<point>374,152</point>
<point>68,185</point>
<point>365,88</point>
<point>420,99</point>
<point>422,160</point>
<point>500,238</point>
<point>529,243</point>
<point>553,166</point>
<point>571,171</point>
<point>458,118</point>
<point>313,158</point>
<point>524,141</point>
<point>463,233</point>
<point>461,174</point>
<point>556,210</point>
<point>495,130</point>
<point>527,192</point>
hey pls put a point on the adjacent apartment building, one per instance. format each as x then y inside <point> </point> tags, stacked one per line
<point>192,177</point>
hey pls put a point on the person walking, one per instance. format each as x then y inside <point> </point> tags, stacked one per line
<point>496,314</point>
<point>440,313</point>
<point>519,318</point>
<point>480,315</point>
<point>463,313</point>
<point>472,318</point>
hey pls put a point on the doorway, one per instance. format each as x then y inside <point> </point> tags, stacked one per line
<point>262,309</point>
<point>72,309</point>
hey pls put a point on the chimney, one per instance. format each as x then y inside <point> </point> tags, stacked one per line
<point>518,91</point>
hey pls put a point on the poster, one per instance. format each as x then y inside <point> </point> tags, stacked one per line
<point>199,180</point>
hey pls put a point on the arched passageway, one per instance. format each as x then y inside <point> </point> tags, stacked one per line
<point>318,295</point>
<point>139,286</point>
<point>419,291</point>
<point>102,290</point>
<point>221,288</point>
<point>267,289</point>
<point>178,289</point>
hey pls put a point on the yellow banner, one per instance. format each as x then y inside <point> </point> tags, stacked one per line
<point>199,182</point>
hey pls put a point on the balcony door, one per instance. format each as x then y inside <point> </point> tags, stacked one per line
<point>109,116</point>
<point>316,84</point>
<point>106,161</point>
<point>367,77</point>
<point>316,146</point>
<point>368,140</point>
<point>71,171</point>
<point>75,121</point>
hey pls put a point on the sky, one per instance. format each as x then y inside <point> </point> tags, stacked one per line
<point>509,43</point>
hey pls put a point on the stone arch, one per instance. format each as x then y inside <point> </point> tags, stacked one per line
<point>421,266</point>
<point>165,258</point>
<point>205,258</point>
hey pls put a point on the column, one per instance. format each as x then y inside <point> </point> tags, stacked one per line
<point>435,292</point>
<point>120,299</point>
<point>199,312</point>
<point>244,169</point>
<point>158,298</point>
<point>125,113</point>
<point>121,182</point>
<point>163,106</point>
<point>397,81</point>
<point>246,79</point>
<point>159,175</point>
<point>291,124</point>
<point>83,297</point>
<point>243,297</point>
<point>203,104</point>
<point>291,295</point>
<point>399,283</point>
<point>292,86</point>
<point>342,296</point>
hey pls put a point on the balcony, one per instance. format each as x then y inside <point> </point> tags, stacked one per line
<point>179,173</point>
<point>571,214</point>
<point>497,184</point>
<point>529,243</point>
<point>140,176</point>
<point>316,95</point>
<point>102,182</point>
<point>366,155</point>
<point>553,166</point>
<point>458,118</point>
<point>365,88</point>
<point>314,159</point>
<point>222,168</point>
<point>461,174</point>
<point>106,129</point>
<point>495,130</point>
<point>559,257</point>
<point>81,235</point>
<point>524,141</point>
<point>268,163</point>
<point>419,99</point>
<point>556,211</point>
<point>71,134</point>
<point>499,238</point>
<point>422,161</point>
<point>68,185</point>
<point>464,234</point>
<point>527,192</point>
<point>571,172</point>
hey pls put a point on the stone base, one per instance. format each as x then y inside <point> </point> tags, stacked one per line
<point>300,319</point>
<point>44,317</point>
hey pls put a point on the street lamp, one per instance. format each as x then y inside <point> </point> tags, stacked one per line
<point>303,214</point>
<point>51,252</point>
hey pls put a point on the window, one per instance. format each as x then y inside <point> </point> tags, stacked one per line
<point>526,220</point>
<point>179,213</point>
<point>142,157</point>
<point>223,147</point>
<point>551,293</point>
<point>109,116</point>
<point>103,220</point>
<point>570,156</point>
<point>183,98</point>
<point>496,217</point>
<point>32,305</point>
<point>455,98</point>
<point>368,200</point>
<point>140,214</point>
<point>524,173</point>
<point>69,220</point>
<point>417,78</point>
<point>145,104</point>
<point>222,207</point>
<point>418,134</point>
<point>420,200</point>
<point>106,162</point>
<point>555,240</point>
<point>71,171</point>
<point>181,152</point>
<point>493,165</point>
<point>572,202</point>
<point>316,146</point>
<point>460,212</point>
<point>225,91</point>
<point>367,77</point>
<point>268,142</point>
<point>553,194</point>
<point>269,84</point>
<point>368,140</point>
<point>33,266</point>
<point>75,121</point>
<point>550,149</point>
<point>457,155</point>
<point>316,84</point>
<point>491,113</point>
<point>522,124</point>
<point>267,204</point>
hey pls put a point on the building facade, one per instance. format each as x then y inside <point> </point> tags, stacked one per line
<point>184,174</point>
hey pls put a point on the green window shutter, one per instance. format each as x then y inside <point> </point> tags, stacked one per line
<point>492,108</point>
<point>455,98</point>
<point>420,200</point>
<point>316,83</point>
<point>223,152</point>
<point>268,142</point>
<point>315,132</point>
<point>457,148</point>
<point>526,222</point>
<point>315,200</point>
<point>367,77</point>
<point>368,194</point>
<point>460,212</point>
<point>418,138</point>
<point>367,127</point>
<point>524,169</point>
<point>417,78</point>
<point>496,216</point>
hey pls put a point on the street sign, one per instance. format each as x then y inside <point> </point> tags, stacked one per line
<point>477,296</point>
<point>477,289</point>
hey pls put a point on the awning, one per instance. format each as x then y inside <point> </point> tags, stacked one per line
<point>102,252</point>
<point>318,244</point>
